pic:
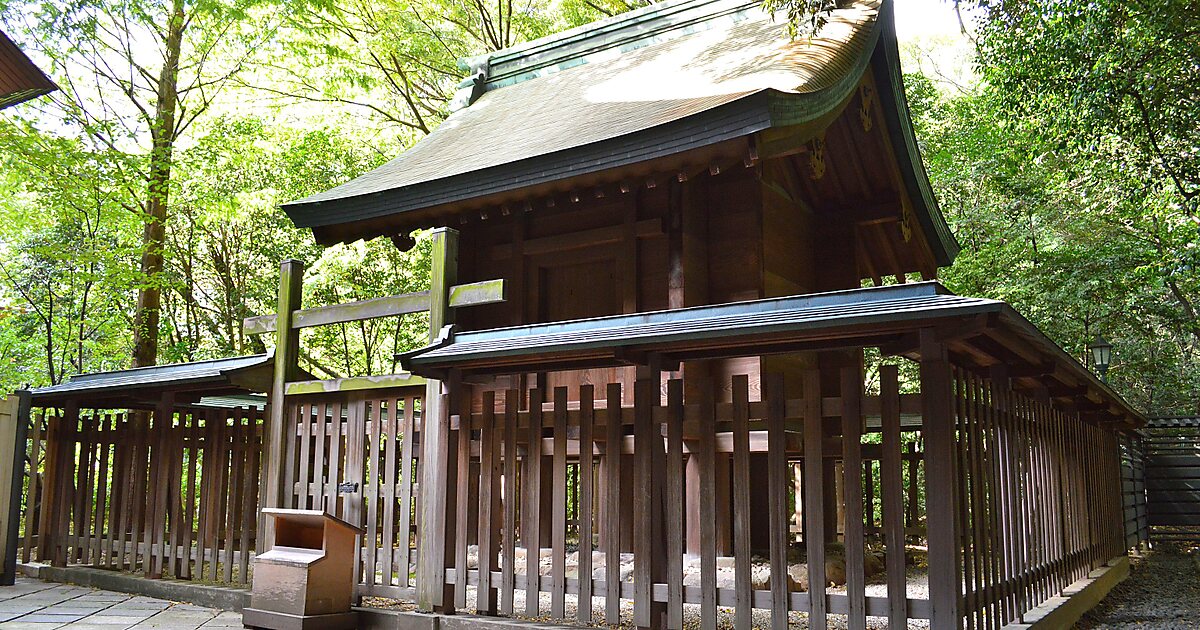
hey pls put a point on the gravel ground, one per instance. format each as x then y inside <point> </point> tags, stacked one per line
<point>917,587</point>
<point>1161,592</point>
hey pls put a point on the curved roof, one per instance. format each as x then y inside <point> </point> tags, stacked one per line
<point>20,80</point>
<point>657,81</point>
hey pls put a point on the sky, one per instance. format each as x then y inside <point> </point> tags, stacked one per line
<point>917,19</point>
<point>932,42</point>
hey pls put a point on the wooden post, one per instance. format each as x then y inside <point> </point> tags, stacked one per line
<point>945,572</point>
<point>14,424</point>
<point>287,368</point>
<point>431,574</point>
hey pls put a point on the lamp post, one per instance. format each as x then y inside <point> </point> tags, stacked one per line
<point>1101,356</point>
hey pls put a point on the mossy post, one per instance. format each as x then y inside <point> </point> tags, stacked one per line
<point>287,368</point>
<point>435,535</point>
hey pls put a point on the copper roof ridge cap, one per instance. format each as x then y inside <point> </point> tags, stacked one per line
<point>597,29</point>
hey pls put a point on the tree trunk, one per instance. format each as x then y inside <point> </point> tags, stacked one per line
<point>146,318</point>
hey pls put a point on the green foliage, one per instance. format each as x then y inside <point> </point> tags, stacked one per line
<point>1069,174</point>
<point>1113,81</point>
<point>1063,240</point>
<point>804,17</point>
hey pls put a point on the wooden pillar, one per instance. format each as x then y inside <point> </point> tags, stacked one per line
<point>435,477</point>
<point>14,425</point>
<point>287,368</point>
<point>941,500</point>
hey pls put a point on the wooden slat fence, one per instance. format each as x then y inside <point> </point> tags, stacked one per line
<point>1037,507</point>
<point>356,455</point>
<point>502,506</point>
<point>1173,479</point>
<point>1133,490</point>
<point>165,494</point>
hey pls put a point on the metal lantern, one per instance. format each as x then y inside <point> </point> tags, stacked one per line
<point>1101,356</point>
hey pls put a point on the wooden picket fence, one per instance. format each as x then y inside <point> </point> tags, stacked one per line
<point>164,495</point>
<point>1033,506</point>
<point>1037,505</point>
<point>356,455</point>
<point>500,503</point>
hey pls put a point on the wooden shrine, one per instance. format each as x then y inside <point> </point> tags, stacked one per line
<point>688,351</point>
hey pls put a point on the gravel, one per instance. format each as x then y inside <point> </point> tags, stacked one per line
<point>1161,592</point>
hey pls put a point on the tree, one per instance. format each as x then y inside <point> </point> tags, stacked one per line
<point>68,252</point>
<point>398,61</point>
<point>1102,78</point>
<point>136,74</point>
<point>1056,234</point>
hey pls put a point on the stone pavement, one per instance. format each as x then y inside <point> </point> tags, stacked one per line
<point>36,605</point>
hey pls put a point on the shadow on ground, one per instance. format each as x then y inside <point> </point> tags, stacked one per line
<point>1162,592</point>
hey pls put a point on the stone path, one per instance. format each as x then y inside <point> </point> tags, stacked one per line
<point>36,605</point>
<point>1161,592</point>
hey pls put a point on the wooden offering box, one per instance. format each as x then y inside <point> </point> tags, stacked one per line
<point>306,579</point>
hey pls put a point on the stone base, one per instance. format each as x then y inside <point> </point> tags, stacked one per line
<point>257,618</point>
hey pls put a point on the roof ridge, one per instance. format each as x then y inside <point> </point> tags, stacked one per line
<point>623,32</point>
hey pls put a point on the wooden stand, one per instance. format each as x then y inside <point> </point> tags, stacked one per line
<point>306,580</point>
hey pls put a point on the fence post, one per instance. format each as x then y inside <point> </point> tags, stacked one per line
<point>287,368</point>
<point>941,475</point>
<point>13,432</point>
<point>431,536</point>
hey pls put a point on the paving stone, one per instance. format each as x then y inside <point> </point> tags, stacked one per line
<point>112,621</point>
<point>21,606</point>
<point>47,597</point>
<point>87,624</point>
<point>40,617</point>
<point>103,596</point>
<point>119,611</point>
<point>193,607</point>
<point>135,604</point>
<point>31,625</point>
<point>75,607</point>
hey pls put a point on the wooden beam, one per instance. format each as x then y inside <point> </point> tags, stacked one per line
<point>473,294</point>
<point>945,570</point>
<point>610,235</point>
<point>287,368</point>
<point>354,384</point>
<point>477,293</point>
<point>364,309</point>
<point>435,436</point>
<point>14,422</point>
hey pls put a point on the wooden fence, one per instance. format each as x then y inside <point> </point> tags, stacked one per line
<point>164,494</point>
<point>1037,509</point>
<point>1033,509</point>
<point>1133,490</point>
<point>512,505</point>
<point>1173,479</point>
<point>355,455</point>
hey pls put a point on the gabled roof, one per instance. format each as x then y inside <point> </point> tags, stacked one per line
<point>659,81</point>
<point>20,80</point>
<point>138,386</point>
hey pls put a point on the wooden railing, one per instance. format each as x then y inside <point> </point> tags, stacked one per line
<point>502,499</point>
<point>167,494</point>
<point>356,456</point>
<point>1039,503</point>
